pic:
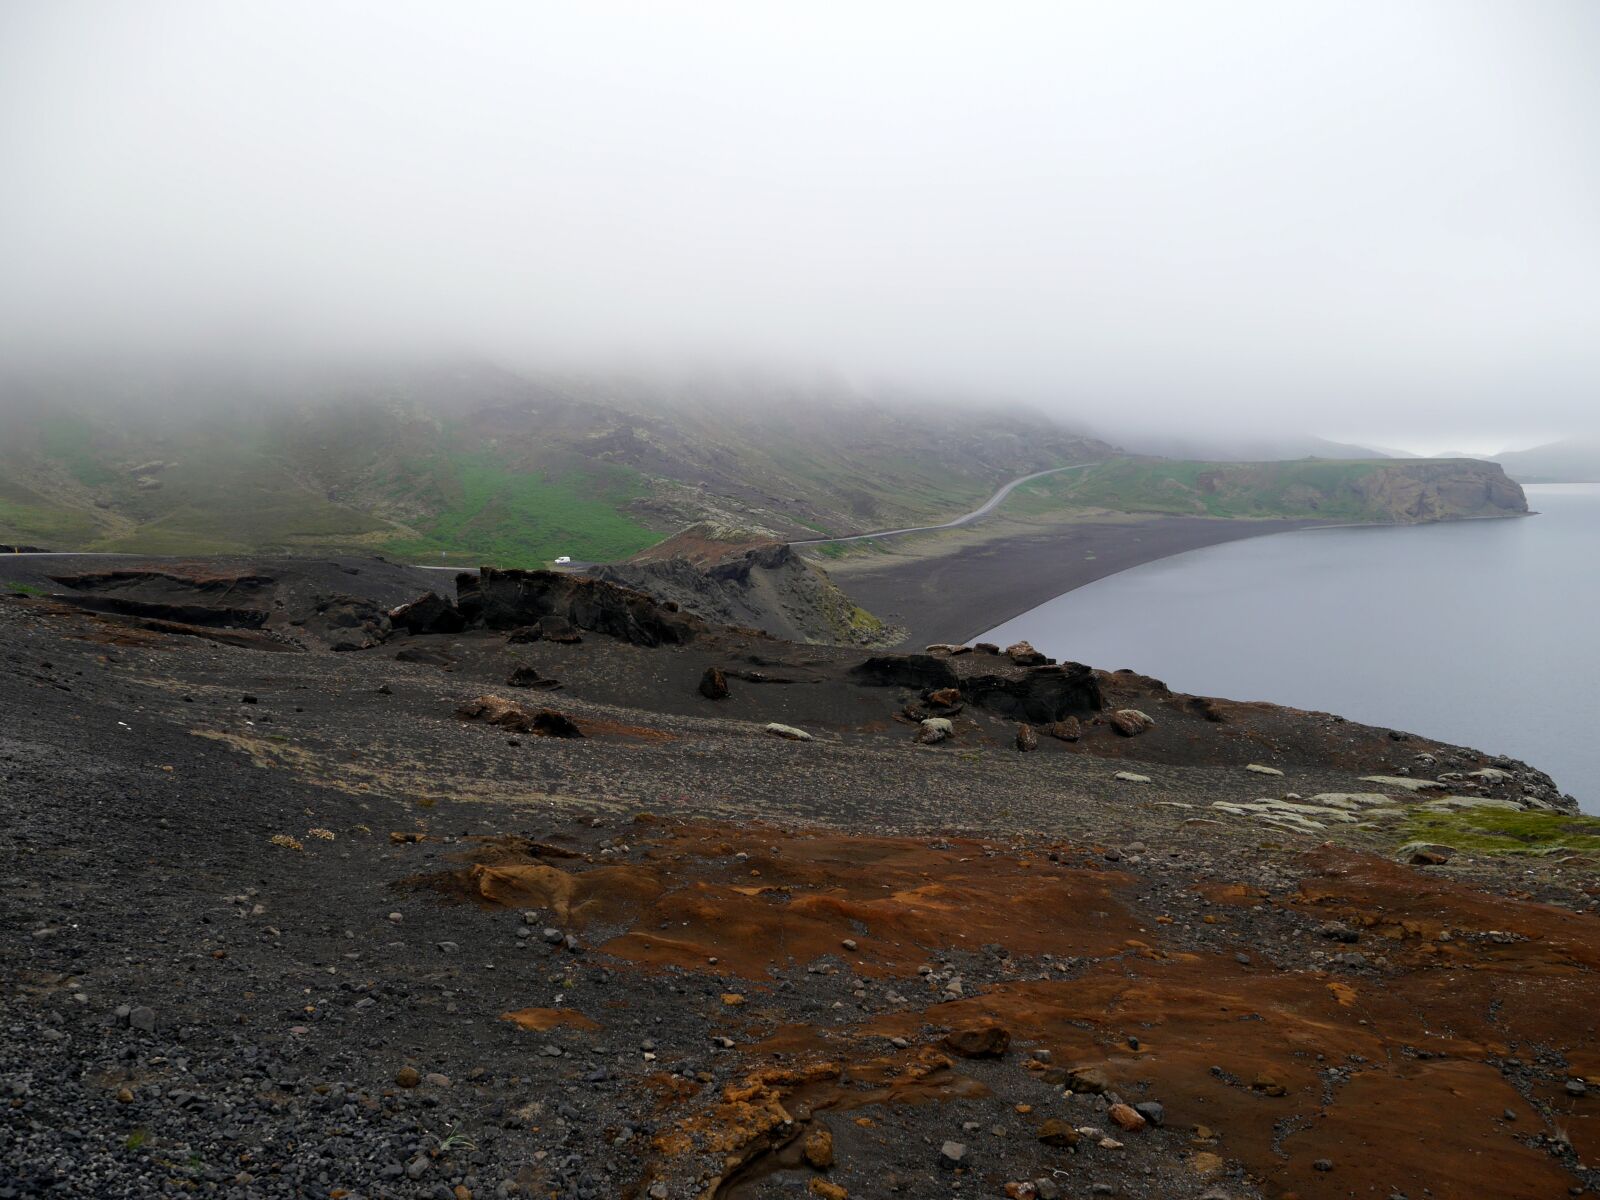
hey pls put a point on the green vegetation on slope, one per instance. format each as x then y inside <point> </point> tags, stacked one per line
<point>464,462</point>
<point>522,519</point>
<point>237,489</point>
<point>228,495</point>
<point>1501,831</point>
<point>37,523</point>
<point>1310,487</point>
<point>1356,490</point>
<point>70,442</point>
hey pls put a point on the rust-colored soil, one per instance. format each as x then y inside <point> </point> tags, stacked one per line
<point>1398,1073</point>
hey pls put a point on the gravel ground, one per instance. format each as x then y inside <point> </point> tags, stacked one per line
<point>192,1007</point>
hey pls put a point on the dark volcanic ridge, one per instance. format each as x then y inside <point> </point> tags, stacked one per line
<point>733,577</point>
<point>549,889</point>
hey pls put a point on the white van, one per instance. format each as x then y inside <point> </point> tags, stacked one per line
<point>563,560</point>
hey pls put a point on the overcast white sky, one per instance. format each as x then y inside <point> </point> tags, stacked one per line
<point>1369,218</point>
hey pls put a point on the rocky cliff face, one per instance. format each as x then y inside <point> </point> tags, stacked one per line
<point>1441,491</point>
<point>1403,491</point>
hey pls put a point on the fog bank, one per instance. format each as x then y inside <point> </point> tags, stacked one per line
<point>1355,218</point>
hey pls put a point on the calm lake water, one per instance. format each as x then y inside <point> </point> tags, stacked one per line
<point>1483,633</point>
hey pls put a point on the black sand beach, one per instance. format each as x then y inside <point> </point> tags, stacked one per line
<point>956,594</point>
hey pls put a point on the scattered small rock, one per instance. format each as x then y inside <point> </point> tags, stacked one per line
<point>788,732</point>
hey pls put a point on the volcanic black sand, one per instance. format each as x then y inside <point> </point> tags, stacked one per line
<point>277,921</point>
<point>947,591</point>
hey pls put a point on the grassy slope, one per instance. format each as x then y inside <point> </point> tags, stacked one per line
<point>513,517</point>
<point>237,488</point>
<point>1301,488</point>
<point>484,467</point>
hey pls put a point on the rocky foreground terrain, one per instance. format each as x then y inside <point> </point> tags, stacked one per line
<point>545,889</point>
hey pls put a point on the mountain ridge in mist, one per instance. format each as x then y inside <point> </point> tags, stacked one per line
<point>466,457</point>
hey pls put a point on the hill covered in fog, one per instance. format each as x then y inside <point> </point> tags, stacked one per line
<point>468,460</point>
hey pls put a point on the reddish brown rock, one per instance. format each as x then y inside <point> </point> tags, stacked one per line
<point>1024,655</point>
<point>1027,739</point>
<point>1125,1116</point>
<point>496,710</point>
<point>1427,855</point>
<point>978,1041</point>
<point>714,684</point>
<point>1130,722</point>
<point>818,1147</point>
<point>1069,729</point>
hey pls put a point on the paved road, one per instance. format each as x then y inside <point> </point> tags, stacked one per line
<point>984,510</point>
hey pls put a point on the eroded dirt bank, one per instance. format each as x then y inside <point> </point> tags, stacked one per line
<point>286,924</point>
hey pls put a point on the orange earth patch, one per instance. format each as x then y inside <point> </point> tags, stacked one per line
<point>1392,1073</point>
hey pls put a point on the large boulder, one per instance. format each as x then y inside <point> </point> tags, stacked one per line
<point>1068,729</point>
<point>714,684</point>
<point>1130,722</point>
<point>920,671</point>
<point>430,613</point>
<point>1040,697</point>
<point>511,599</point>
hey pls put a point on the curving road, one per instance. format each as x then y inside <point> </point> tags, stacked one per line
<point>983,510</point>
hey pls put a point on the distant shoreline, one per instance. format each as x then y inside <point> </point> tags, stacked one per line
<point>955,595</point>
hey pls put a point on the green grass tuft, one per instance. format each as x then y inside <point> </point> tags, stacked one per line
<point>1500,831</point>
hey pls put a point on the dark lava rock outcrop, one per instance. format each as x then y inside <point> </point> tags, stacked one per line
<point>347,623</point>
<point>921,671</point>
<point>431,613</point>
<point>766,586</point>
<point>510,599</point>
<point>235,600</point>
<point>1042,696</point>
